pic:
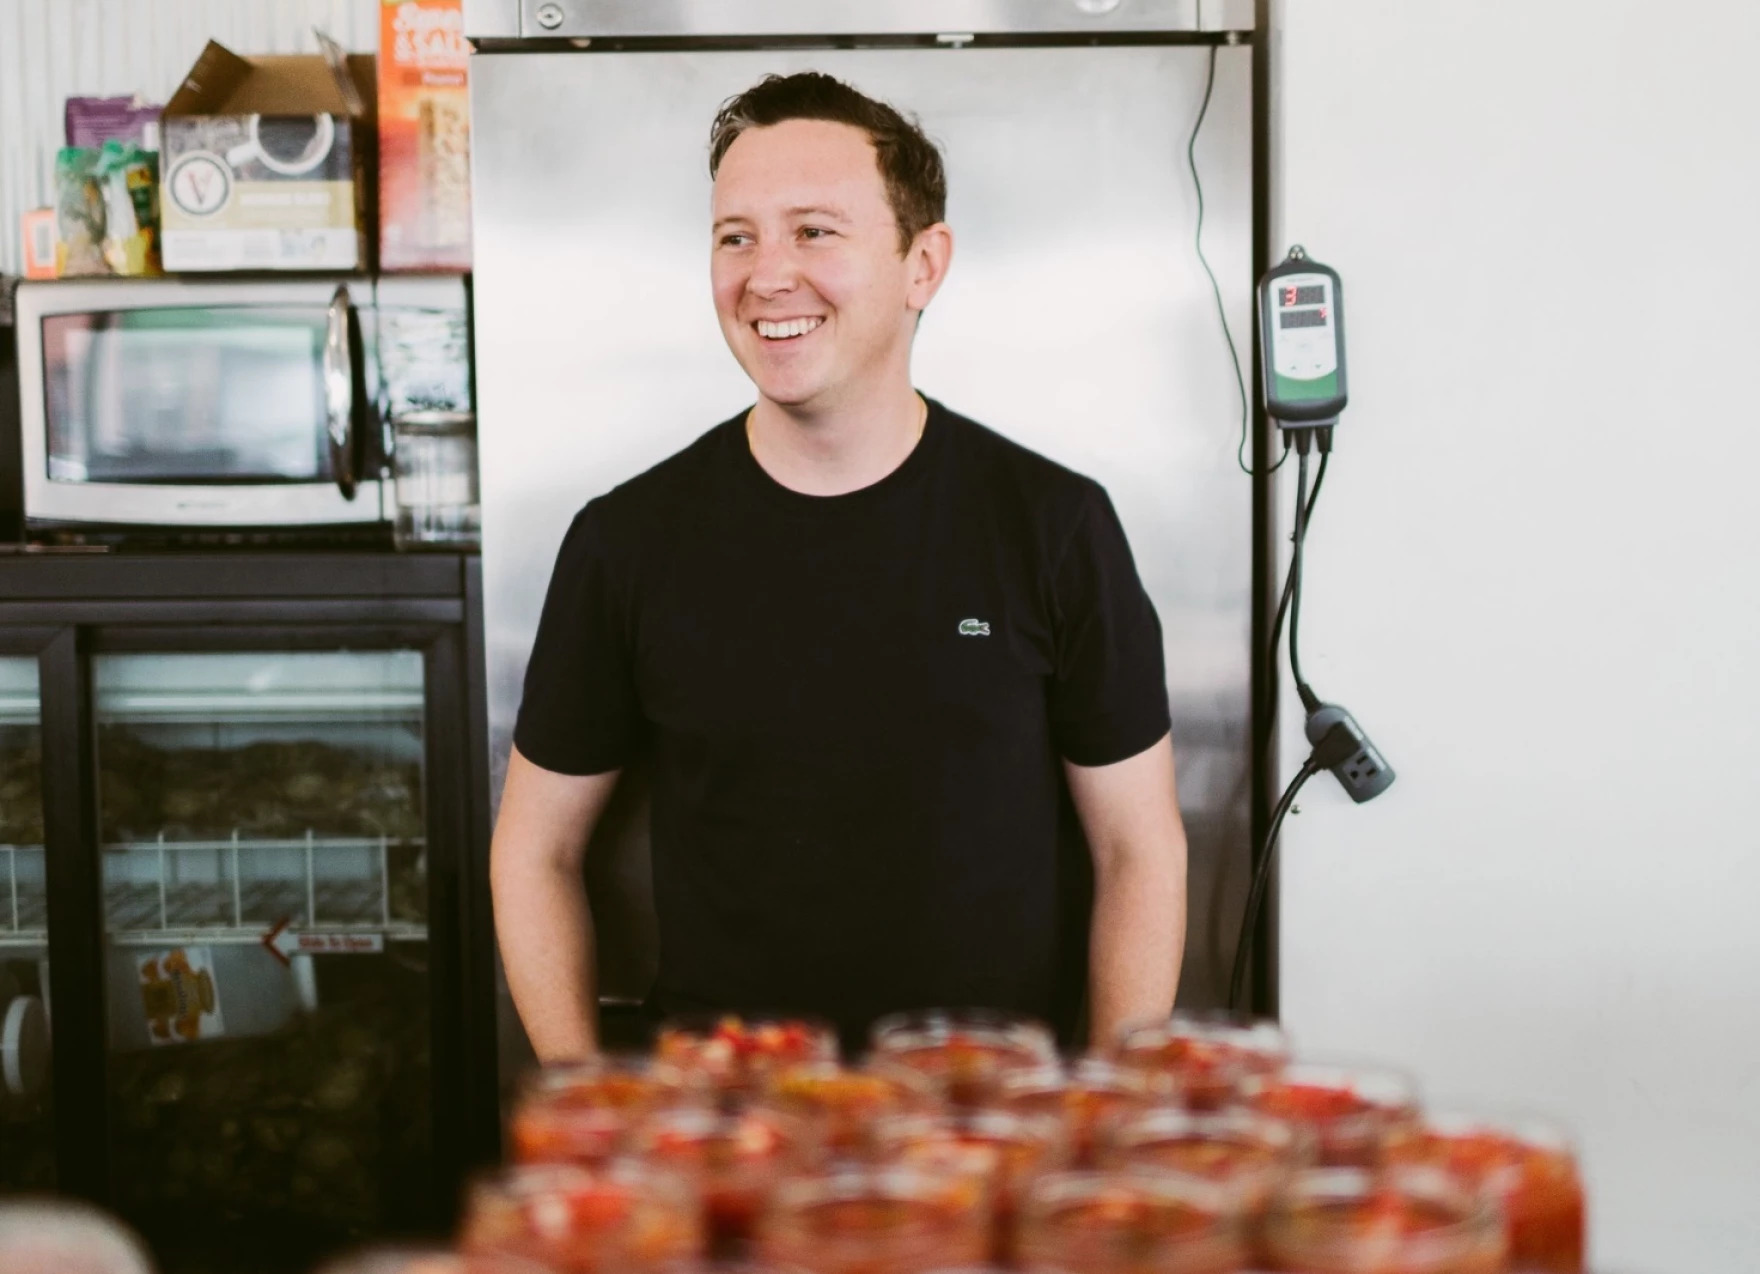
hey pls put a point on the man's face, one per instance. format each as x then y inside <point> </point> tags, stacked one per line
<point>814,298</point>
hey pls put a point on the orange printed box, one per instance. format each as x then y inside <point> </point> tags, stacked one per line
<point>424,136</point>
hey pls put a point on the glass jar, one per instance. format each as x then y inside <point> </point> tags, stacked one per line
<point>1135,1221</point>
<point>966,1055</point>
<point>1201,1059</point>
<point>734,1054</point>
<point>422,1260</point>
<point>846,1103</point>
<point>434,462</point>
<point>1088,1096</point>
<point>586,1113</point>
<point>620,1216</point>
<point>1002,1150</point>
<point>735,1159</point>
<point>1248,1156</point>
<point>877,1220</point>
<point>1528,1166</point>
<point>1351,1113</point>
<point>1395,1221</point>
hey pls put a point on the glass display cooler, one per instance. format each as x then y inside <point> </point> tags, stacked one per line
<point>246,993</point>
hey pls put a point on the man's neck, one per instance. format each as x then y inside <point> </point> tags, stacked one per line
<point>834,452</point>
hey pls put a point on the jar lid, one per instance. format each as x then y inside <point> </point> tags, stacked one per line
<point>435,421</point>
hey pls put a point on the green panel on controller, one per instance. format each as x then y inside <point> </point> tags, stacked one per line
<point>1291,390</point>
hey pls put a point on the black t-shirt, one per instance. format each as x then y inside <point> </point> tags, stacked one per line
<point>855,706</point>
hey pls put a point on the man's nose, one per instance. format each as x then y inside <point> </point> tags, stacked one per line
<point>773,270</point>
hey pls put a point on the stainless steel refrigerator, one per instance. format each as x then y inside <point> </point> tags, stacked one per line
<point>1077,318</point>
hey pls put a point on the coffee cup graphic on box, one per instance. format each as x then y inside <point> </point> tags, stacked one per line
<point>262,166</point>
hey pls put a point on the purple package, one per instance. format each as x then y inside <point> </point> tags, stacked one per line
<point>92,121</point>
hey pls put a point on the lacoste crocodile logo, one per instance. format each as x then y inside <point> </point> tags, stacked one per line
<point>973,628</point>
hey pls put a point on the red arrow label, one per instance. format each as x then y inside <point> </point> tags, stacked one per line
<point>269,941</point>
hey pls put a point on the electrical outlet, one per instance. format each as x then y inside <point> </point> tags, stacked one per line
<point>1341,746</point>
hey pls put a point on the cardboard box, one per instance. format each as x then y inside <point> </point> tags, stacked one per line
<point>424,136</point>
<point>265,162</point>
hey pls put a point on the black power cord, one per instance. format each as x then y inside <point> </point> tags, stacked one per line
<point>1240,381</point>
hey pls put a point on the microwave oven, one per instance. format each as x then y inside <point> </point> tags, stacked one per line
<point>217,405</point>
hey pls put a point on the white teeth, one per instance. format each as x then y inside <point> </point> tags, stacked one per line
<point>782,331</point>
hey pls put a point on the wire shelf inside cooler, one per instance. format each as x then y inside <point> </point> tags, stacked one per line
<point>24,899</point>
<point>235,889</point>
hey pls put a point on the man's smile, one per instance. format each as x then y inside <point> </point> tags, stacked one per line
<point>786,329</point>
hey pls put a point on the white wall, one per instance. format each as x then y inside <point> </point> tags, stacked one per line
<point>1531,577</point>
<point>51,50</point>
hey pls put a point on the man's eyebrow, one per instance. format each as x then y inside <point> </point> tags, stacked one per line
<point>819,210</point>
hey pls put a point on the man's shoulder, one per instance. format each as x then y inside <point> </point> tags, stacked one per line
<point>659,491</point>
<point>1011,470</point>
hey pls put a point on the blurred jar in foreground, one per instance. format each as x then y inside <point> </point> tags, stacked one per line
<point>52,1236</point>
<point>846,1104</point>
<point>735,1054</point>
<point>965,1054</point>
<point>1397,1221</point>
<point>1351,1113</point>
<point>621,1216</point>
<point>409,1260</point>
<point>877,1220</point>
<point>1002,1150</point>
<point>1528,1166</point>
<point>1246,1155</point>
<point>434,462</point>
<point>1135,1221</point>
<point>735,1159</point>
<point>586,1113</point>
<point>1201,1060</point>
<point>1091,1094</point>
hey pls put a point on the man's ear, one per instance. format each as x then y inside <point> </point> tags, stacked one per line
<point>929,257</point>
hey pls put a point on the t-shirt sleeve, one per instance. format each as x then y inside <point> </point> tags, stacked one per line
<point>580,713</point>
<point>1109,687</point>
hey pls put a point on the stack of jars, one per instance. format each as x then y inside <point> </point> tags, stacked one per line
<point>963,1140</point>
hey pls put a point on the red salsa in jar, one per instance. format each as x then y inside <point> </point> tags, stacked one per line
<point>1088,1096</point>
<point>585,1113</point>
<point>735,1052</point>
<point>1529,1168</point>
<point>1246,1155</point>
<point>1392,1221</point>
<point>845,1103</point>
<point>966,1055</point>
<point>1351,1114</point>
<point>735,1159</point>
<point>877,1220</point>
<point>1134,1221</point>
<point>620,1216</point>
<point>1201,1060</point>
<point>1000,1149</point>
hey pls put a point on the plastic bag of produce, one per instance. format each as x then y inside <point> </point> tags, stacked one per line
<point>79,213</point>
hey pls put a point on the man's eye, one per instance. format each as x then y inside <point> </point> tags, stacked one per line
<point>815,232</point>
<point>733,240</point>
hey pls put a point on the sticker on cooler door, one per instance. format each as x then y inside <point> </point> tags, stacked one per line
<point>179,996</point>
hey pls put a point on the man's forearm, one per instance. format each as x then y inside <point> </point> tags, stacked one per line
<point>1137,942</point>
<point>546,934</point>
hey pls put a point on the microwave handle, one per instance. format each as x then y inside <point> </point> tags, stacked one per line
<point>341,349</point>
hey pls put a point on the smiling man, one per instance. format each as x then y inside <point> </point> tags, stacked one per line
<point>868,643</point>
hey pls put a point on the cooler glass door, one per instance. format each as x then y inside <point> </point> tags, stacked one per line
<point>27,1143</point>
<point>265,886</point>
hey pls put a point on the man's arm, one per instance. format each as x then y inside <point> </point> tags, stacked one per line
<point>541,917</point>
<point>1130,813</point>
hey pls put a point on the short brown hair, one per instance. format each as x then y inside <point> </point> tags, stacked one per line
<point>910,164</point>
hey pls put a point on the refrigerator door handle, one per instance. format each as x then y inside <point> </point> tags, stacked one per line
<point>341,347</point>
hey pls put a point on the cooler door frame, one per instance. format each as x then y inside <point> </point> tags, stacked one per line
<point>64,632</point>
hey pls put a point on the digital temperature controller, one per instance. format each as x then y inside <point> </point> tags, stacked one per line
<point>1301,332</point>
